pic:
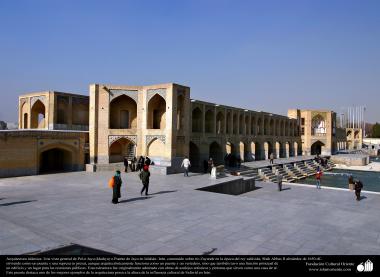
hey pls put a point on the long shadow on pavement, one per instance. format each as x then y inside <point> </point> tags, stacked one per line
<point>162,192</point>
<point>15,203</point>
<point>135,199</point>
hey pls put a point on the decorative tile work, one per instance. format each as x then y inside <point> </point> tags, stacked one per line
<point>112,139</point>
<point>159,91</point>
<point>118,92</point>
<point>150,138</point>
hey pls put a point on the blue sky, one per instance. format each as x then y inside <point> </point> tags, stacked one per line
<point>260,55</point>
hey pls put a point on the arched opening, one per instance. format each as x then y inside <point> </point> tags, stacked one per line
<point>156,113</point>
<point>318,125</point>
<point>120,149</point>
<point>228,125</point>
<point>80,111</point>
<point>216,153</point>
<point>272,127</point>
<point>180,111</point>
<point>220,123</point>
<point>253,126</point>
<point>123,113</point>
<point>349,133</point>
<point>156,148</point>
<point>287,149</point>
<point>296,150</point>
<point>241,150</point>
<point>56,160</point>
<point>38,115</point>
<point>278,150</point>
<point>241,124</point>
<point>278,128</point>
<point>246,125</point>
<point>25,122</point>
<point>197,125</point>
<point>291,149</point>
<point>209,121</point>
<point>259,127</point>
<point>283,131</point>
<point>255,151</point>
<point>267,150</point>
<point>235,123</point>
<point>356,135</point>
<point>194,155</point>
<point>266,127</point>
<point>230,148</point>
<point>317,147</point>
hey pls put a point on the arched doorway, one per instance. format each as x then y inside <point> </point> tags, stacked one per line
<point>209,121</point>
<point>296,150</point>
<point>230,148</point>
<point>267,150</point>
<point>235,124</point>
<point>278,150</point>
<point>56,160</point>
<point>121,148</point>
<point>220,123</point>
<point>156,113</point>
<point>259,127</point>
<point>256,151</point>
<point>156,148</point>
<point>194,155</point>
<point>228,124</point>
<point>241,124</point>
<point>123,113</point>
<point>38,115</point>
<point>197,125</point>
<point>216,153</point>
<point>317,147</point>
<point>25,124</point>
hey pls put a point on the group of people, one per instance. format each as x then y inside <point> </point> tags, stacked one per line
<point>142,165</point>
<point>136,165</point>
<point>320,160</point>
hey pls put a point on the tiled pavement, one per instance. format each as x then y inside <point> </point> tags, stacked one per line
<point>43,212</point>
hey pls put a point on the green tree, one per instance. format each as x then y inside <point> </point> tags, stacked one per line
<point>376,130</point>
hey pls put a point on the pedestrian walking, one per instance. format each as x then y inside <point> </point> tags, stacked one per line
<point>210,165</point>
<point>144,177</point>
<point>279,181</point>
<point>186,164</point>
<point>318,177</point>
<point>133,164</point>
<point>271,157</point>
<point>358,189</point>
<point>125,164</point>
<point>147,161</point>
<point>140,163</point>
<point>116,187</point>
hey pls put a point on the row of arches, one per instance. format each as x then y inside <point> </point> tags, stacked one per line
<point>124,147</point>
<point>123,113</point>
<point>245,151</point>
<point>233,123</point>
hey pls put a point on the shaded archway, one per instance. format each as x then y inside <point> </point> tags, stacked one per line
<point>123,113</point>
<point>120,149</point>
<point>194,155</point>
<point>197,123</point>
<point>156,148</point>
<point>271,127</point>
<point>228,125</point>
<point>266,127</point>
<point>216,153</point>
<point>246,125</point>
<point>25,121</point>
<point>256,151</point>
<point>209,121</point>
<point>356,135</point>
<point>317,147</point>
<point>267,150</point>
<point>253,126</point>
<point>349,133</point>
<point>296,150</point>
<point>62,109</point>
<point>259,127</point>
<point>278,150</point>
<point>241,124</point>
<point>24,116</point>
<point>235,124</point>
<point>220,123</point>
<point>230,148</point>
<point>56,160</point>
<point>38,115</point>
<point>156,113</point>
<point>80,111</point>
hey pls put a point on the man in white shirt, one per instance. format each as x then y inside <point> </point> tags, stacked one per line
<point>186,164</point>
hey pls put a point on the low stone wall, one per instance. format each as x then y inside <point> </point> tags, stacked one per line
<point>350,159</point>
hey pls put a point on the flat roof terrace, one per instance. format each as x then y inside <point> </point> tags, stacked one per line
<point>43,212</point>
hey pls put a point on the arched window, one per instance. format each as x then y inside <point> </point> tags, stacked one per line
<point>318,125</point>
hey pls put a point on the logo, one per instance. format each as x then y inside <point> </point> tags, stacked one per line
<point>365,267</point>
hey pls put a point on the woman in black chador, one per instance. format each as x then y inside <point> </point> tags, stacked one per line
<point>116,188</point>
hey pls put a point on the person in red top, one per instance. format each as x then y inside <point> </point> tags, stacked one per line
<point>318,178</point>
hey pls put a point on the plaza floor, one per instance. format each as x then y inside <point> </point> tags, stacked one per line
<point>47,211</point>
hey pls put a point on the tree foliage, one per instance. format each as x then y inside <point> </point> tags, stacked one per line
<point>376,130</point>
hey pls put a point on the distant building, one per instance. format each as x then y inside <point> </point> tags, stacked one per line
<point>3,125</point>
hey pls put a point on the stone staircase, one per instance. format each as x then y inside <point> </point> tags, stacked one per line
<point>310,164</point>
<point>267,174</point>
<point>294,172</point>
<point>245,172</point>
<point>300,166</point>
<point>278,169</point>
